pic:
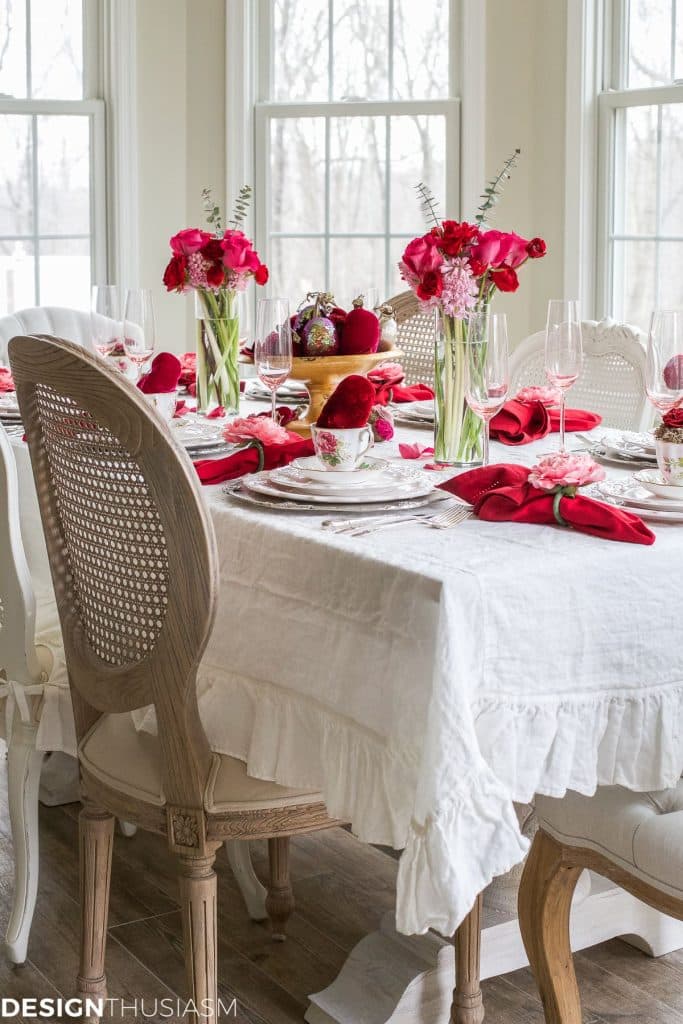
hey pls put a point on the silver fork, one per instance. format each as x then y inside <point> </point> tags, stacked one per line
<point>443,521</point>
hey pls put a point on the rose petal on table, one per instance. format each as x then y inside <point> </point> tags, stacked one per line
<point>414,451</point>
<point>216,413</point>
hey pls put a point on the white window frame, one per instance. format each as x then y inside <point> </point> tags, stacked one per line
<point>597,65</point>
<point>93,109</point>
<point>248,116</point>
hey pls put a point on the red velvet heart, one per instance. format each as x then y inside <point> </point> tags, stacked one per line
<point>163,375</point>
<point>349,405</point>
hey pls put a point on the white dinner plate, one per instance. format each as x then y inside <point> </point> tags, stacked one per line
<point>194,431</point>
<point>292,391</point>
<point>419,414</point>
<point>612,458</point>
<point>237,490</point>
<point>629,443</point>
<point>631,495</point>
<point>261,483</point>
<point>310,468</point>
<point>652,480</point>
<point>395,475</point>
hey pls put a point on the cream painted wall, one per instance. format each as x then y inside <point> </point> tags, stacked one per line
<point>525,104</point>
<point>181,139</point>
<point>181,85</point>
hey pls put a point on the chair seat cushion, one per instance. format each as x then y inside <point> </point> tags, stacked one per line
<point>641,832</point>
<point>127,760</point>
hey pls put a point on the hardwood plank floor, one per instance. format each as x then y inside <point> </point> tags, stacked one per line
<point>342,889</point>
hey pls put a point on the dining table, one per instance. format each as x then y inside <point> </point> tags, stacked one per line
<point>426,680</point>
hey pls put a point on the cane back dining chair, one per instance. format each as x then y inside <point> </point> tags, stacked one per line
<point>612,379</point>
<point>133,561</point>
<point>634,839</point>
<point>415,338</point>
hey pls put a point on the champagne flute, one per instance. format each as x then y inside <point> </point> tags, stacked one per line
<point>664,367</point>
<point>487,379</point>
<point>563,350</point>
<point>273,346</point>
<point>105,318</point>
<point>139,333</point>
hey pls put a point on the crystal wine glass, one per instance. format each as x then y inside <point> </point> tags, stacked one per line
<point>273,346</point>
<point>105,318</point>
<point>563,350</point>
<point>139,333</point>
<point>664,368</point>
<point>487,378</point>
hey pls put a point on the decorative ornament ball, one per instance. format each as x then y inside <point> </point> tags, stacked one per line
<point>673,373</point>
<point>319,337</point>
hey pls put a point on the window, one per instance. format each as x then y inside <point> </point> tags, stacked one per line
<point>51,140</point>
<point>641,136</point>
<point>356,106</point>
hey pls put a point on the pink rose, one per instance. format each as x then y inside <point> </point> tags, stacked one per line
<point>565,470</point>
<point>546,395</point>
<point>255,428</point>
<point>327,443</point>
<point>382,423</point>
<point>239,254</point>
<point>498,248</point>
<point>189,241</point>
<point>421,256</point>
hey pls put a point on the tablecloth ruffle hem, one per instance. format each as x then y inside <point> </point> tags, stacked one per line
<point>579,743</point>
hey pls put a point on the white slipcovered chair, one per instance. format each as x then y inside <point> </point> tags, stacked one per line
<point>73,324</point>
<point>634,839</point>
<point>612,380</point>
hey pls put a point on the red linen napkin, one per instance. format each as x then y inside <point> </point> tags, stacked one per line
<point>6,382</point>
<point>389,387</point>
<point>163,375</point>
<point>523,422</point>
<point>501,493</point>
<point>253,458</point>
<point>349,405</point>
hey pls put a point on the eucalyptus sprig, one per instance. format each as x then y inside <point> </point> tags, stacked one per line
<point>241,207</point>
<point>428,204</point>
<point>494,190</point>
<point>212,211</point>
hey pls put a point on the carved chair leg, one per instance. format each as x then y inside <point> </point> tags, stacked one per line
<point>468,1004</point>
<point>23,780</point>
<point>280,898</point>
<point>96,837</point>
<point>545,898</point>
<point>198,893</point>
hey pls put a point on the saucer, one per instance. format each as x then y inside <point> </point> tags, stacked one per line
<point>653,481</point>
<point>366,469</point>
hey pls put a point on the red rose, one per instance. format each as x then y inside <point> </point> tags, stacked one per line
<point>536,248</point>
<point>213,250</point>
<point>505,279</point>
<point>478,267</point>
<point>430,286</point>
<point>456,236</point>
<point>421,256</point>
<point>175,273</point>
<point>261,274</point>
<point>238,253</point>
<point>188,241</point>
<point>215,275</point>
<point>673,418</point>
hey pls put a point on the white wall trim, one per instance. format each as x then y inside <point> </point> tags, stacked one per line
<point>583,84</point>
<point>472,91</point>
<point>240,96</point>
<point>119,89</point>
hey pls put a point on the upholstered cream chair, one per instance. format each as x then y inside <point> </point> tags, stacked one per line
<point>415,338</point>
<point>634,839</point>
<point>134,567</point>
<point>73,324</point>
<point>612,380</point>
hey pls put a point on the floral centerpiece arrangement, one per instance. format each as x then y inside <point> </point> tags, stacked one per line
<point>216,266</point>
<point>456,268</point>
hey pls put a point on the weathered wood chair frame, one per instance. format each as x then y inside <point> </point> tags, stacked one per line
<point>133,561</point>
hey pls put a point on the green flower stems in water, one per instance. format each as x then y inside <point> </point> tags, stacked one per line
<point>218,351</point>
<point>458,430</point>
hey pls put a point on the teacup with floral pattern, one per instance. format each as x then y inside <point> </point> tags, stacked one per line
<point>341,449</point>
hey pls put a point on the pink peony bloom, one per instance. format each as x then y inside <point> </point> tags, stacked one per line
<point>239,256</point>
<point>421,257</point>
<point>189,241</point>
<point>565,470</point>
<point>255,428</point>
<point>538,393</point>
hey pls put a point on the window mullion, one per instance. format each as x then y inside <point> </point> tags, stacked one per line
<point>36,212</point>
<point>658,202</point>
<point>327,202</point>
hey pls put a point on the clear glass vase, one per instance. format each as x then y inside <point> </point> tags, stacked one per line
<point>458,437</point>
<point>218,346</point>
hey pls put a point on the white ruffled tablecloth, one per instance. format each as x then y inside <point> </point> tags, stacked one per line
<point>424,680</point>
